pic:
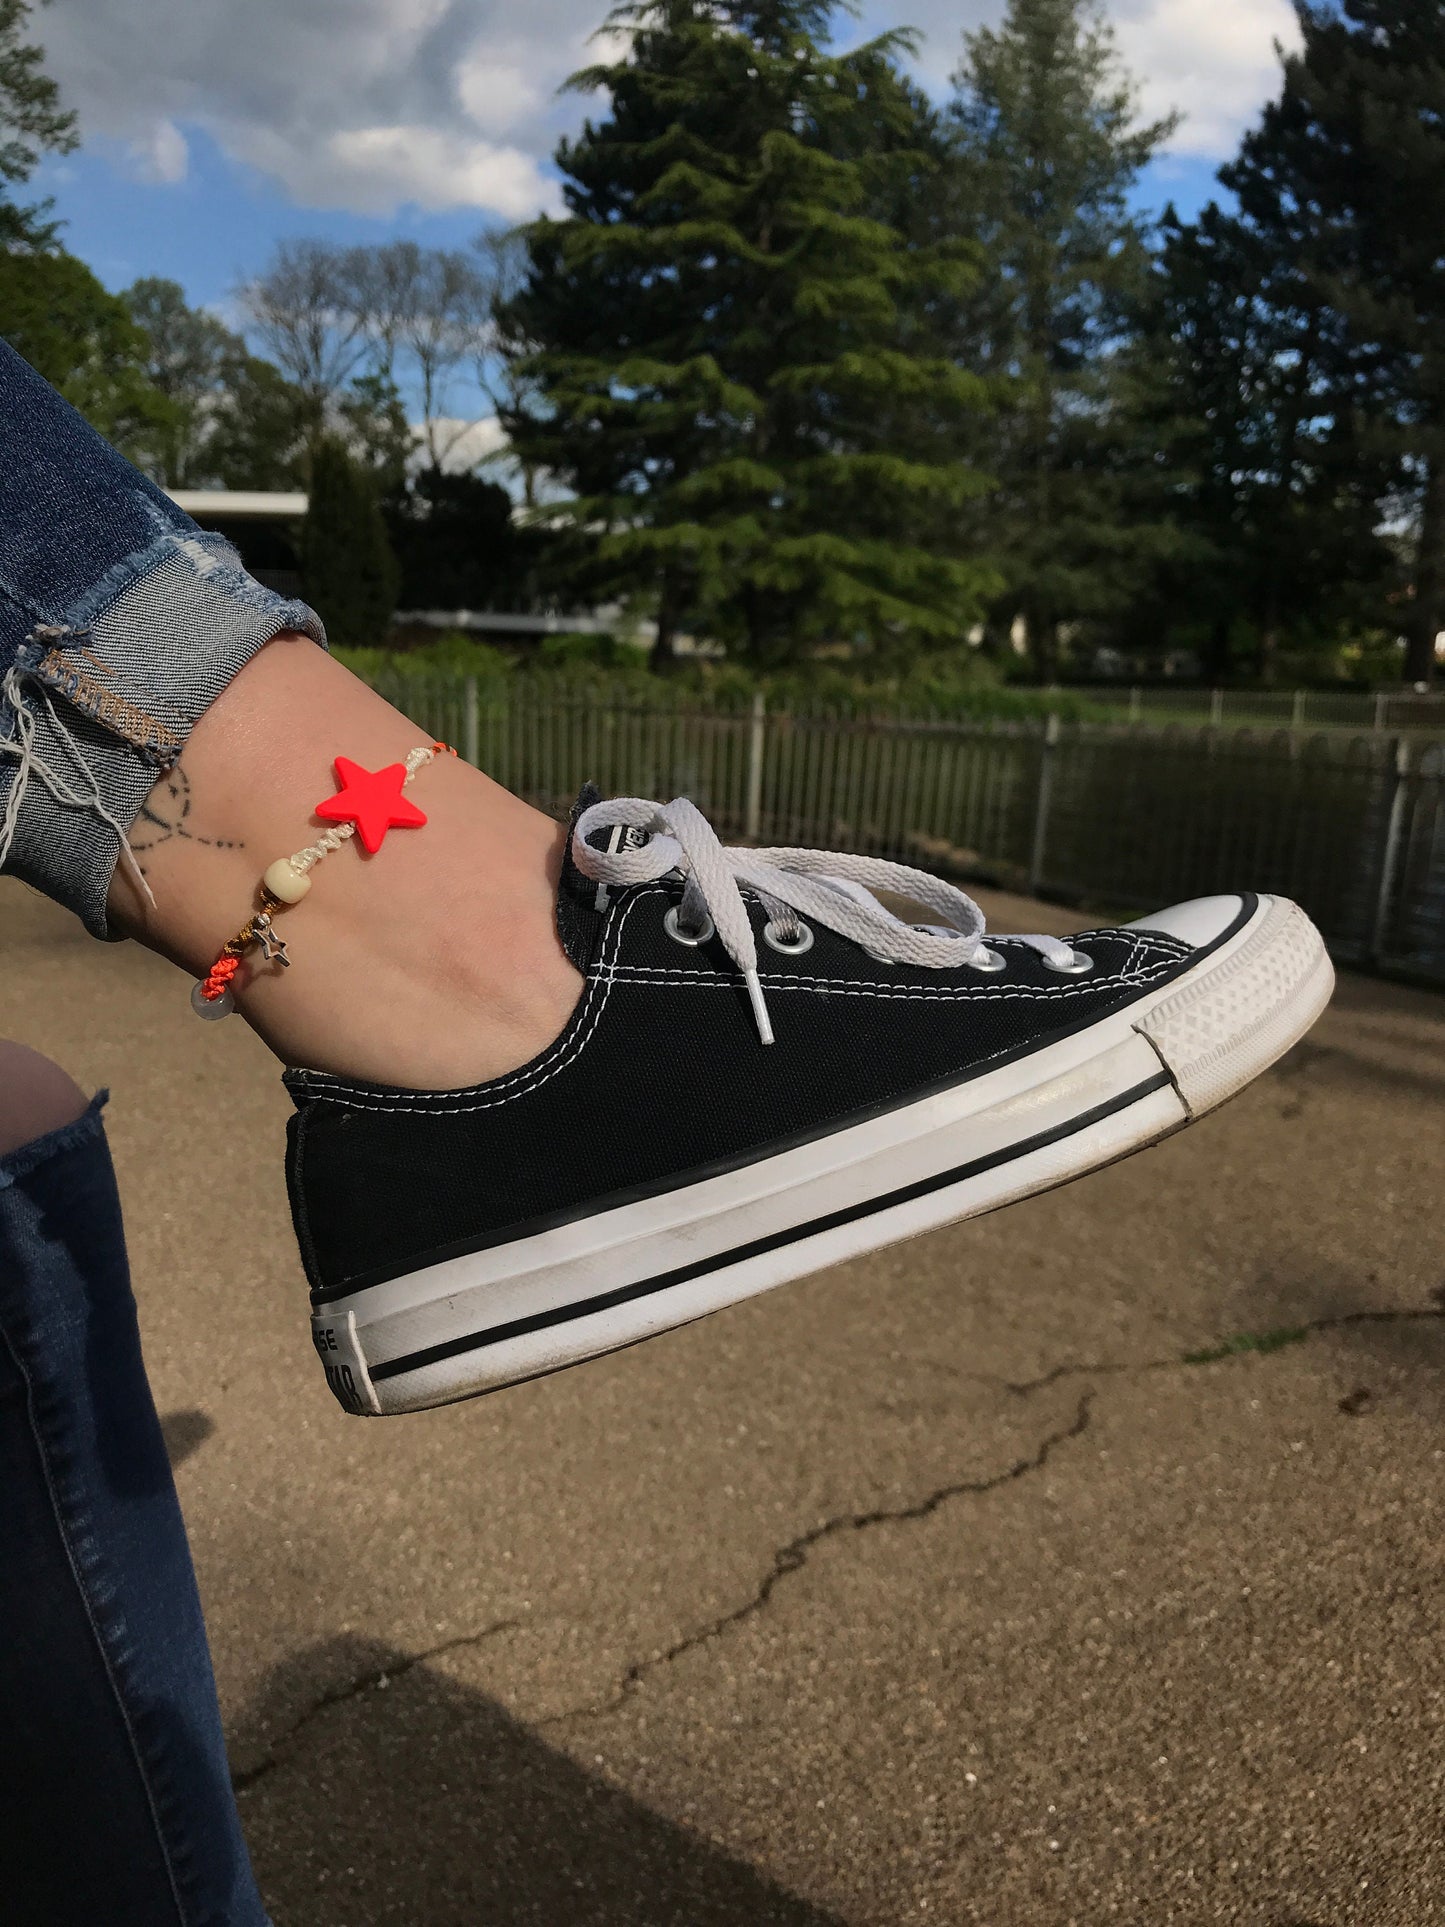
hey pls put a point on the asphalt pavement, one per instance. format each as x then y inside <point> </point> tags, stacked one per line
<point>1082,1564</point>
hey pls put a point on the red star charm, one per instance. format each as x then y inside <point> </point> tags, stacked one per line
<point>372,800</point>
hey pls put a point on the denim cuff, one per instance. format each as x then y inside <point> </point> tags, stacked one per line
<point>111,691</point>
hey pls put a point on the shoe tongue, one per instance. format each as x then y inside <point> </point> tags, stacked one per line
<point>579,926</point>
<point>579,921</point>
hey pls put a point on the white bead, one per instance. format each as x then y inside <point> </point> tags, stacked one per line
<point>213,1007</point>
<point>283,880</point>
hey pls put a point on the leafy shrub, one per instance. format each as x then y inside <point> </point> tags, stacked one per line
<point>603,667</point>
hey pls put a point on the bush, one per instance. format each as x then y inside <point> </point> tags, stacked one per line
<point>452,654</point>
<point>605,668</point>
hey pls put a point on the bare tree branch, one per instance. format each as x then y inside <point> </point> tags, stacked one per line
<point>308,309</point>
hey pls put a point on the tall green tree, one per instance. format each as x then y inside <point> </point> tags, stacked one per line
<point>256,438</point>
<point>189,356</point>
<point>1346,170</point>
<point>1048,147</point>
<point>55,313</point>
<point>1284,478</point>
<point>348,567</point>
<point>232,420</point>
<point>32,122</point>
<point>720,341</point>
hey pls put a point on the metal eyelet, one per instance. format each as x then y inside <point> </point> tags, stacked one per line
<point>1079,965</point>
<point>788,947</point>
<point>692,938</point>
<point>988,963</point>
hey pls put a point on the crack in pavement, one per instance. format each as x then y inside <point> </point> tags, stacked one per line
<point>351,1689</point>
<point>794,1556</point>
<point>1246,1345</point>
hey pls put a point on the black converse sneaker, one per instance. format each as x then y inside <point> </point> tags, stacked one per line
<point>768,1072</point>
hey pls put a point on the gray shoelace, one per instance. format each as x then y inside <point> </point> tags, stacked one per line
<point>829,887</point>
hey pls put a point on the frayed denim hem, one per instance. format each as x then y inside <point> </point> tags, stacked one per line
<point>66,1137</point>
<point>110,695</point>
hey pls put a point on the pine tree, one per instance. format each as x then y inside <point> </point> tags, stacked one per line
<point>1284,485</point>
<point>1353,155</point>
<point>724,338</point>
<point>347,565</point>
<point>1048,148</point>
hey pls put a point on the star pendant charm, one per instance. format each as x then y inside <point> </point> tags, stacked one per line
<point>273,948</point>
<point>372,800</point>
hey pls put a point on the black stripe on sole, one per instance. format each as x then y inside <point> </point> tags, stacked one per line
<point>684,1274</point>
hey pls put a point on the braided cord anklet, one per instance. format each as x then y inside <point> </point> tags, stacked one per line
<point>368,804</point>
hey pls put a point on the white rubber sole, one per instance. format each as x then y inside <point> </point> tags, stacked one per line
<point>475,1323</point>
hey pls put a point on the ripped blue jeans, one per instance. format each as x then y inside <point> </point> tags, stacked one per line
<point>120,623</point>
<point>116,1807</point>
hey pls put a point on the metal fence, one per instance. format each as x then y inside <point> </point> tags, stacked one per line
<point>1116,817</point>
<point>1388,712</point>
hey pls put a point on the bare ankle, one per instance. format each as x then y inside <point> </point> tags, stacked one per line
<point>434,962</point>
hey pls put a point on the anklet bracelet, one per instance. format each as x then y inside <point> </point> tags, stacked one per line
<point>367,804</point>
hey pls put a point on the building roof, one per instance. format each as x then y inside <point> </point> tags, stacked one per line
<point>238,505</point>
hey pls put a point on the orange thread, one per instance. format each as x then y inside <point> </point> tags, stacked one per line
<point>219,976</point>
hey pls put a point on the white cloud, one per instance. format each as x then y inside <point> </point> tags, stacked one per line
<point>496,93</point>
<point>363,104</point>
<point>373,169</point>
<point>370,104</point>
<point>437,169</point>
<point>465,443</point>
<point>1214,59</point>
<point>162,154</point>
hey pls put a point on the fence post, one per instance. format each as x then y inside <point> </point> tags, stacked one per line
<point>1135,705</point>
<point>753,811</point>
<point>471,727</point>
<point>1390,856</point>
<point>1297,710</point>
<point>1041,808</point>
<point>1216,708</point>
<point>1382,702</point>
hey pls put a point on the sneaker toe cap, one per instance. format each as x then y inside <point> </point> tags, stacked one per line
<point>1196,923</point>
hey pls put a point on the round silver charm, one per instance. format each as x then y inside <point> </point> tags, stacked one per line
<point>212,1009</point>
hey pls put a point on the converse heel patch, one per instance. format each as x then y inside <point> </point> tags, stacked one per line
<point>337,1346</point>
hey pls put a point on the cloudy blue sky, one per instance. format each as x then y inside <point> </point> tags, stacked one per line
<point>213,127</point>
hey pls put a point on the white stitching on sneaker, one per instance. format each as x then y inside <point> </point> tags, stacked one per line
<point>849,987</point>
<point>567,1047</point>
<point>607,973</point>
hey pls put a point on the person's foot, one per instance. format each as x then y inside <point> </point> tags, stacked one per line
<point>662,1158</point>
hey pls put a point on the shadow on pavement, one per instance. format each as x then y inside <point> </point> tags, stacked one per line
<point>185,1432</point>
<point>423,1804</point>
